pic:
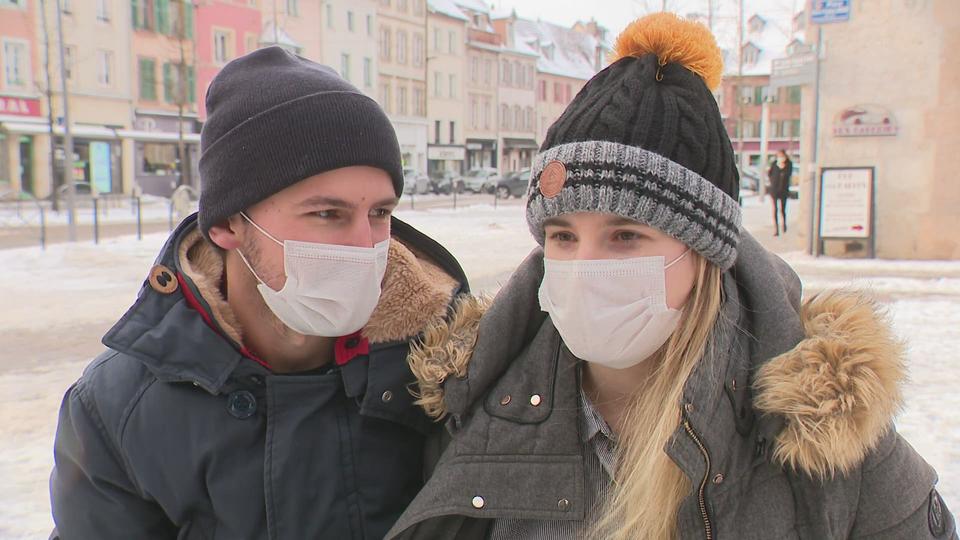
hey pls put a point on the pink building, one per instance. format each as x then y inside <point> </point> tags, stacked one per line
<point>225,29</point>
<point>20,98</point>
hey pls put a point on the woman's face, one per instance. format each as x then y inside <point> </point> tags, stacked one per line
<point>591,235</point>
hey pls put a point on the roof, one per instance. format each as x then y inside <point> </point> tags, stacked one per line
<point>573,52</point>
<point>448,8</point>
<point>281,37</point>
<point>475,5</point>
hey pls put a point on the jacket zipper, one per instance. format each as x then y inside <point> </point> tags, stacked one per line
<point>707,527</point>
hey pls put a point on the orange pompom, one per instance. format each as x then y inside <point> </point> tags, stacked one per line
<point>673,40</point>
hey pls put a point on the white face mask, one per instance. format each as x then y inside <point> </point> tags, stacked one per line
<point>331,290</point>
<point>612,312</point>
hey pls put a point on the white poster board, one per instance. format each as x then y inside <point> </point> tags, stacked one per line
<point>846,202</point>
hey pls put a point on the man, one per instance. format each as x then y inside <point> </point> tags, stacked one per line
<point>258,386</point>
<point>780,171</point>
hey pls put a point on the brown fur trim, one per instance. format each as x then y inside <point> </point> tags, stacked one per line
<point>414,292</point>
<point>838,389</point>
<point>445,350</point>
<point>203,264</point>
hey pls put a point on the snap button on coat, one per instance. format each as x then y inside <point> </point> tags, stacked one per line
<point>718,479</point>
<point>535,400</point>
<point>563,504</point>
<point>478,502</point>
<point>505,400</point>
<point>241,404</point>
<point>387,396</point>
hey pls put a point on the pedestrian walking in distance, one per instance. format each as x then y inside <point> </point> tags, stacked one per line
<point>779,182</point>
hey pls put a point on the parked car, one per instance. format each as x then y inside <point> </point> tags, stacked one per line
<point>442,183</point>
<point>415,182</point>
<point>482,180</point>
<point>750,179</point>
<point>514,184</point>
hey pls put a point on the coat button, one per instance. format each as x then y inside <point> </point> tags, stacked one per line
<point>563,504</point>
<point>536,400</point>
<point>241,404</point>
<point>718,479</point>
<point>505,400</point>
<point>386,396</point>
<point>478,502</point>
<point>163,280</point>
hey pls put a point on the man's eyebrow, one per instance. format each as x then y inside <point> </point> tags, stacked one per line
<point>323,200</point>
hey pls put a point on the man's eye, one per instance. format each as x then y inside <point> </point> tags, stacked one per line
<point>327,214</point>
<point>381,213</point>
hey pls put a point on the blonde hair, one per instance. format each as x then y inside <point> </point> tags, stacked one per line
<point>648,486</point>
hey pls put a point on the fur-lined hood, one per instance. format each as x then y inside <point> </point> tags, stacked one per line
<point>831,393</point>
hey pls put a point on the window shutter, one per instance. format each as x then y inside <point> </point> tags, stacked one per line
<point>188,19</point>
<point>135,12</point>
<point>191,86</point>
<point>168,90</point>
<point>162,14</point>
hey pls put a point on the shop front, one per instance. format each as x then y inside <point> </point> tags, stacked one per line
<point>156,152</point>
<point>517,153</point>
<point>20,123</point>
<point>443,158</point>
<point>481,153</point>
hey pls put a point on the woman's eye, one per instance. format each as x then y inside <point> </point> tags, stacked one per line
<point>626,236</point>
<point>561,236</point>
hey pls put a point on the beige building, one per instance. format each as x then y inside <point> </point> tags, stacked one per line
<point>293,25</point>
<point>888,100</point>
<point>99,84</point>
<point>402,90</point>
<point>446,61</point>
<point>481,133</point>
<point>348,41</point>
<point>516,98</point>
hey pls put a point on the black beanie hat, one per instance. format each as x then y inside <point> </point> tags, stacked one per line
<point>644,139</point>
<point>274,119</point>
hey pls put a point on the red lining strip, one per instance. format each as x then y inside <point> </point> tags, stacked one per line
<point>198,307</point>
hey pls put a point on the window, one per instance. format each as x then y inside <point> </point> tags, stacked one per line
<point>758,94</point>
<point>474,112</point>
<point>330,16</point>
<point>793,94</point>
<point>367,73</point>
<point>437,83</point>
<point>474,69</point>
<point>345,66</point>
<point>794,128</point>
<point>222,46</point>
<point>557,93</point>
<point>174,86</point>
<point>293,7</point>
<point>453,131</point>
<point>69,53</point>
<point>402,5</point>
<point>13,3</point>
<point>148,79</point>
<point>418,7</point>
<point>518,75</point>
<point>142,15</point>
<point>453,87</point>
<point>568,93</point>
<point>66,6</point>
<point>530,77</point>
<point>542,92</point>
<point>370,25</point>
<point>385,97</point>
<point>419,104</point>
<point>505,73</point>
<point>402,100</point>
<point>487,108</point>
<point>436,132</point>
<point>105,68</point>
<point>504,117</point>
<point>453,42</point>
<point>250,43</point>
<point>401,47</point>
<point>176,27</point>
<point>517,118</point>
<point>385,43</point>
<point>436,39</point>
<point>349,20</point>
<point>103,10</point>
<point>417,50</point>
<point>487,71</point>
<point>529,121</point>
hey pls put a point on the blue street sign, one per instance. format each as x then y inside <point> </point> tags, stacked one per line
<point>830,11</point>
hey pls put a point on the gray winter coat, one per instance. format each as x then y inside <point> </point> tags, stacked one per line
<point>178,432</point>
<point>786,427</point>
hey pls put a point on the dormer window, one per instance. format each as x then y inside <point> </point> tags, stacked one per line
<point>751,53</point>
<point>756,24</point>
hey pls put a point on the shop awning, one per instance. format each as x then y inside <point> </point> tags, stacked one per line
<point>158,136</point>
<point>520,143</point>
<point>87,132</point>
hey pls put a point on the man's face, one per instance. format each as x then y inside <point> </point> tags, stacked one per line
<point>349,206</point>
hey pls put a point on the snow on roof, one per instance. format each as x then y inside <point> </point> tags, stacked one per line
<point>280,37</point>
<point>572,53</point>
<point>448,8</point>
<point>475,5</point>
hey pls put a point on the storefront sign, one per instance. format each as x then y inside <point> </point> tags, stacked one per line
<point>18,106</point>
<point>846,202</point>
<point>474,146</point>
<point>100,167</point>
<point>443,153</point>
<point>794,70</point>
<point>864,121</point>
<point>829,11</point>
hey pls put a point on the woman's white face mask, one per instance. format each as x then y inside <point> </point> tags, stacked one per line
<point>611,312</point>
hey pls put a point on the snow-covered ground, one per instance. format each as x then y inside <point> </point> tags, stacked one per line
<point>57,303</point>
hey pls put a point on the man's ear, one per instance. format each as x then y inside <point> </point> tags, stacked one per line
<point>226,233</point>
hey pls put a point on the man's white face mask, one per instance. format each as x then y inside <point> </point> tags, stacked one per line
<point>331,290</point>
<point>612,312</point>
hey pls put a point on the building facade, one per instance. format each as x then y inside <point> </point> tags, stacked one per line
<point>294,25</point>
<point>903,127</point>
<point>402,26</point>
<point>446,61</point>
<point>225,29</point>
<point>516,101</point>
<point>348,41</point>
<point>481,132</point>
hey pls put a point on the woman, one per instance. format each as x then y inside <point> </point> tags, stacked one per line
<point>780,171</point>
<point>650,373</point>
